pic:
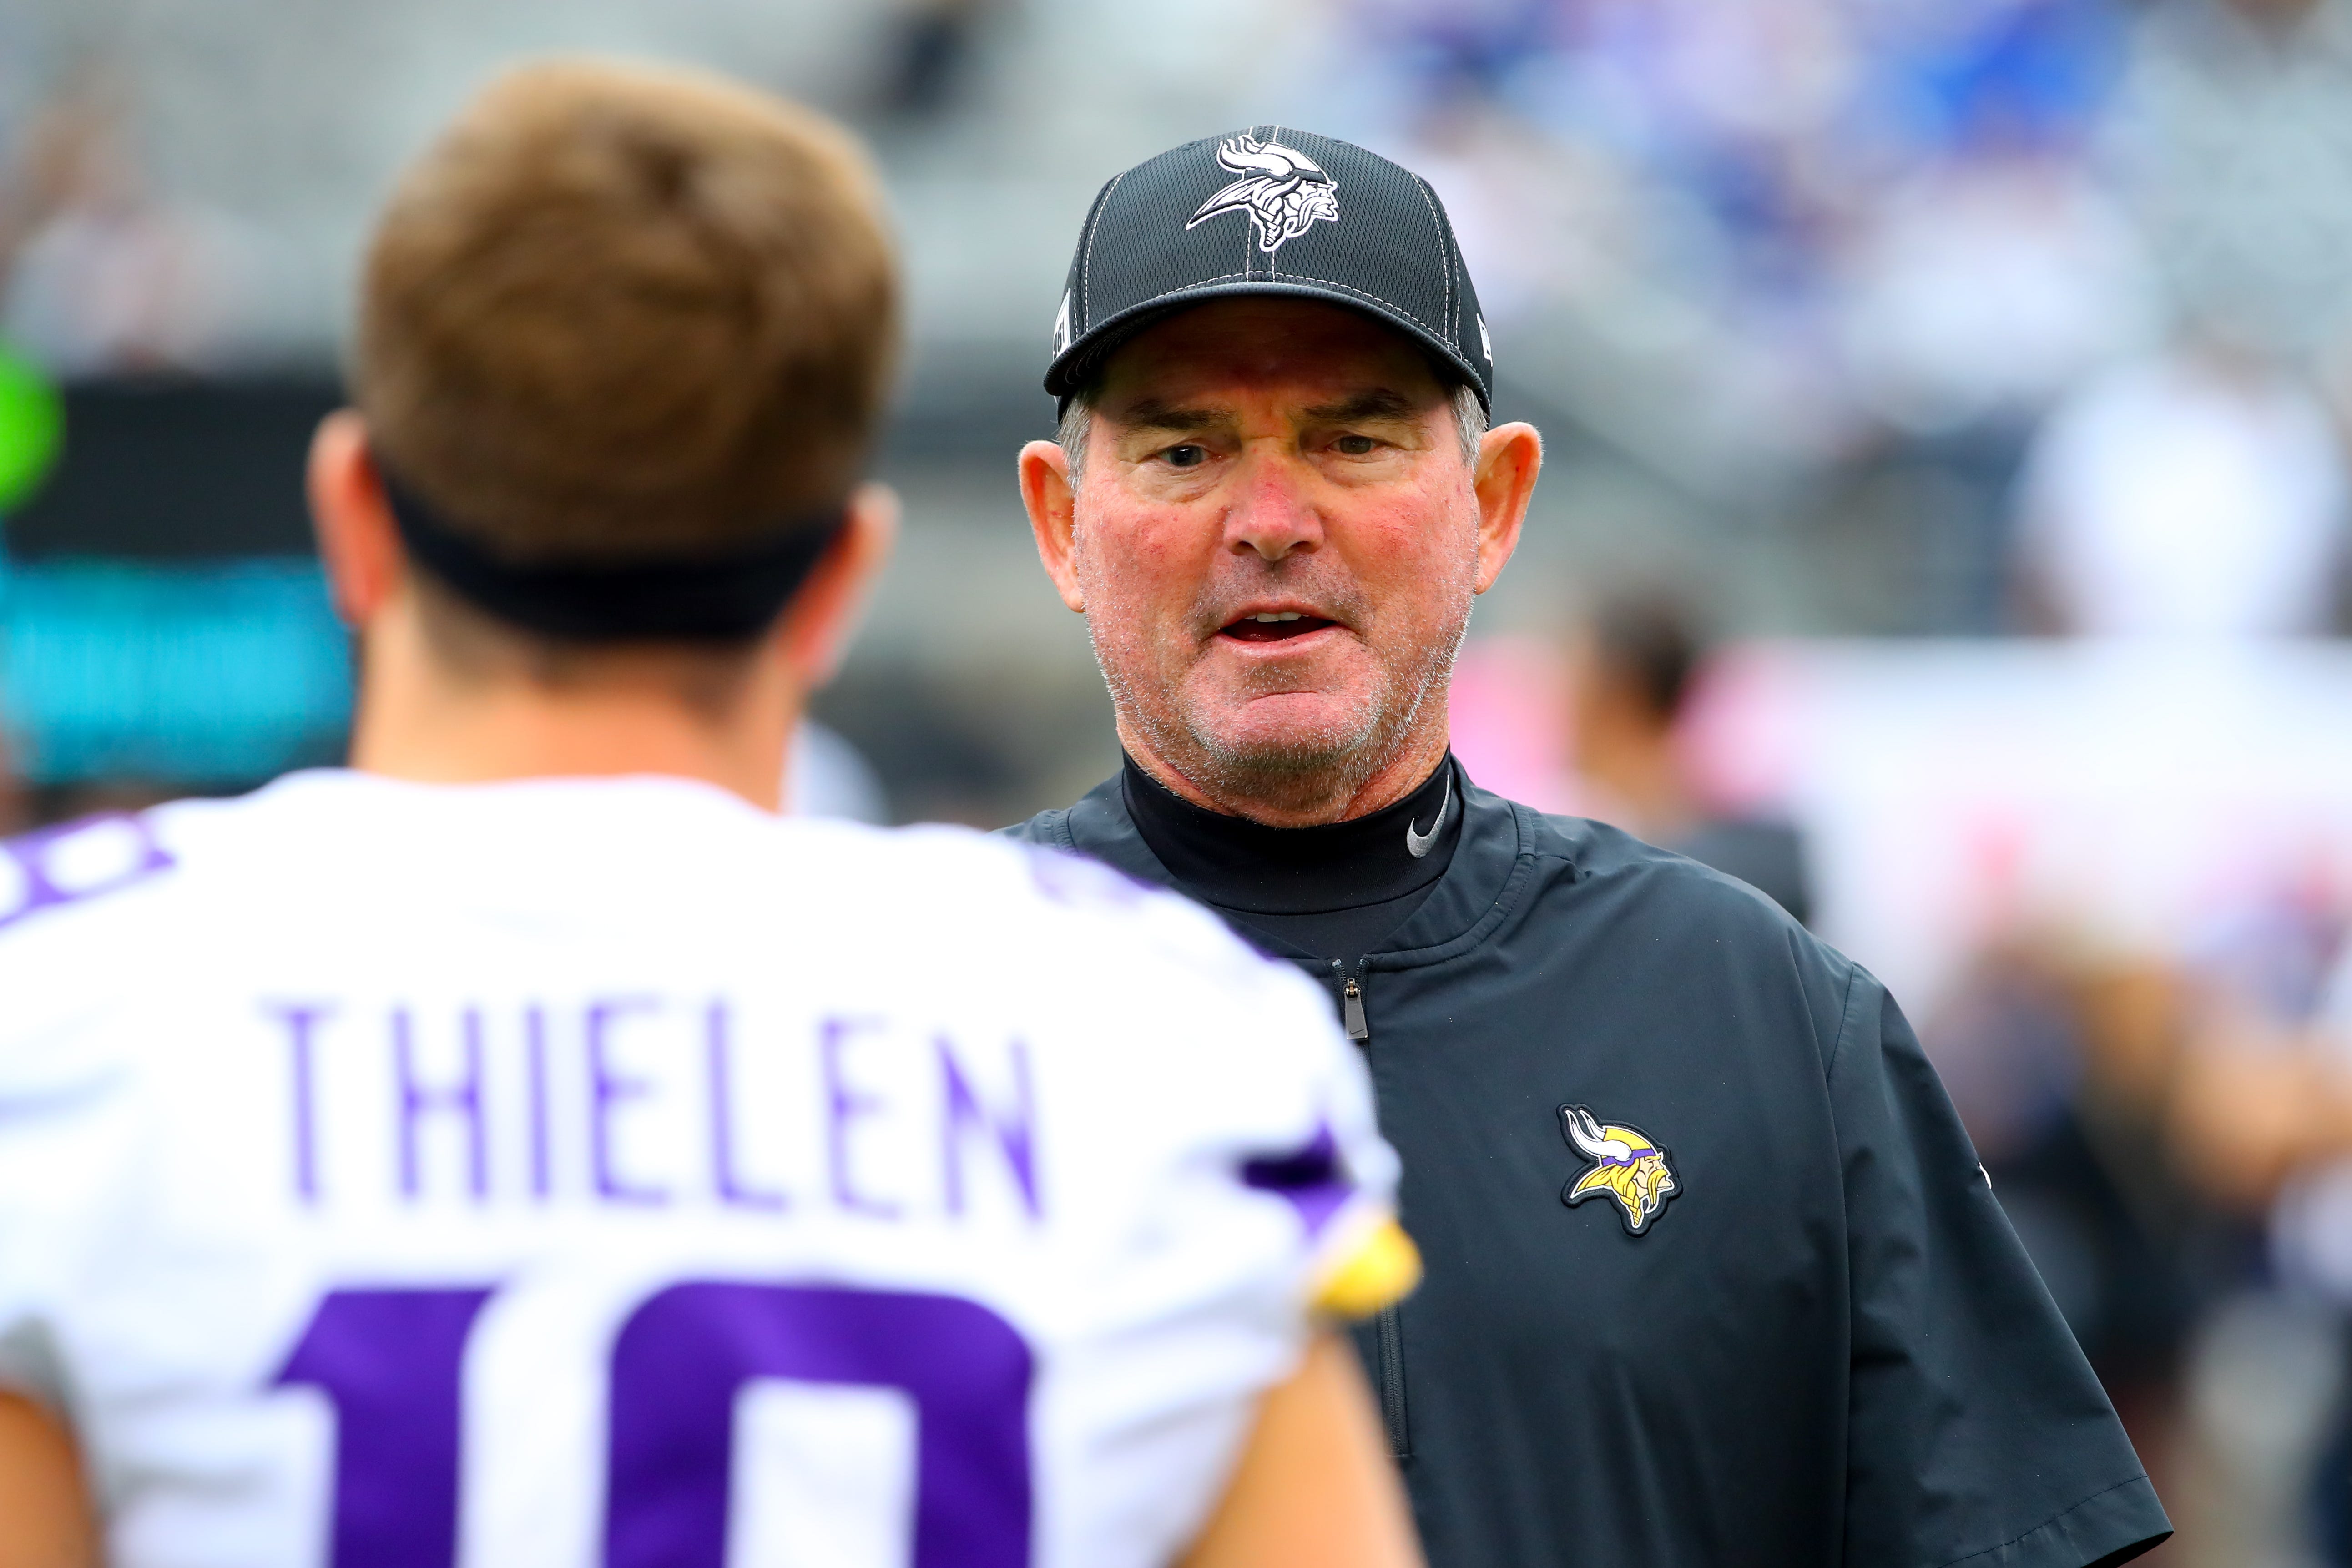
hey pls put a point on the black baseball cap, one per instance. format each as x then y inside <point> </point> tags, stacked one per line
<point>1268,210</point>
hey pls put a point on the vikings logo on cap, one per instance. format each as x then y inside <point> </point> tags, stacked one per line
<point>1627,1167</point>
<point>1284,191</point>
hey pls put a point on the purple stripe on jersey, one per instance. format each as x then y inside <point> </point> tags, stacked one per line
<point>1309,1178</point>
<point>682,1358</point>
<point>78,860</point>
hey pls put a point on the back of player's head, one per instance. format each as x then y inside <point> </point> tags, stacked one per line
<point>622,316</point>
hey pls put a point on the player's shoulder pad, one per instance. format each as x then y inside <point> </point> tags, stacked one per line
<point>77,862</point>
<point>1098,905</point>
<point>54,965</point>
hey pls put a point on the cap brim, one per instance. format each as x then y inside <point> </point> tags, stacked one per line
<point>1072,367</point>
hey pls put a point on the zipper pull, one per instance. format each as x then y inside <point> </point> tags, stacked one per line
<point>1351,1002</point>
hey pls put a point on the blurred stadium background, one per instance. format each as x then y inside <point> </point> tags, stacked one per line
<point>1946,516</point>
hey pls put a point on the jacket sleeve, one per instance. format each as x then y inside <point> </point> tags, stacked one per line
<point>1977,1433</point>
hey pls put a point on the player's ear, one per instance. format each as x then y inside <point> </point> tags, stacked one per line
<point>816,629</point>
<point>358,544</point>
<point>1052,506</point>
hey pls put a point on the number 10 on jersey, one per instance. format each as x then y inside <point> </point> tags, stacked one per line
<point>392,1362</point>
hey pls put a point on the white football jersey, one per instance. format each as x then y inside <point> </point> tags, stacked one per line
<point>604,1172</point>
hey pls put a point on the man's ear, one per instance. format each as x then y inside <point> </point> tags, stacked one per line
<point>358,543</point>
<point>814,634</point>
<point>1052,506</point>
<point>1510,457</point>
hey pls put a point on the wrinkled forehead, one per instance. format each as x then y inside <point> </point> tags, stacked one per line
<point>1268,350</point>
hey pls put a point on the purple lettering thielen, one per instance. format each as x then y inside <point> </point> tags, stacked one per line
<point>844,1105</point>
<point>605,1092</point>
<point>418,1100</point>
<point>731,1188</point>
<point>302,1020</point>
<point>534,1038</point>
<point>1014,1132</point>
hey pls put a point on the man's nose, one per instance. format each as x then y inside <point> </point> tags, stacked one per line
<point>1272,513</point>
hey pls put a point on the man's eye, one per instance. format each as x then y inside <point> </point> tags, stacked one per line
<point>1355,446</point>
<point>1187,456</point>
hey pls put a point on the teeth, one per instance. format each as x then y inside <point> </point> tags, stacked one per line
<point>1270,616</point>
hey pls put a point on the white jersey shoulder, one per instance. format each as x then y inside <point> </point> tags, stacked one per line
<point>606,1172</point>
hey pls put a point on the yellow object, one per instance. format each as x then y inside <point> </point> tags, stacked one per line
<point>1380,1270</point>
<point>1641,1185</point>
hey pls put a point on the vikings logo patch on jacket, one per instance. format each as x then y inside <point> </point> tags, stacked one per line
<point>1627,1166</point>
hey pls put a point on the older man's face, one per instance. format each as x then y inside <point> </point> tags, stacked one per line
<point>1277,541</point>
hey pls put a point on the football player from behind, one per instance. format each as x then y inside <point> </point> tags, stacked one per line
<point>526,1148</point>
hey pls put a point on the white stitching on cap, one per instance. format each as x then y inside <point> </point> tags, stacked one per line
<point>1367,293</point>
<point>1195,283</point>
<point>1452,326</point>
<point>1087,252</point>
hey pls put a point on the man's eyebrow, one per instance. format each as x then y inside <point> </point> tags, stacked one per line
<point>1153,414</point>
<point>1375,403</point>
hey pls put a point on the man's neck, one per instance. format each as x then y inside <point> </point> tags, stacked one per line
<point>1305,806</point>
<point>420,722</point>
<point>1338,890</point>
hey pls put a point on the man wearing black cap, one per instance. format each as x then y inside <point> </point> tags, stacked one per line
<point>1714,1275</point>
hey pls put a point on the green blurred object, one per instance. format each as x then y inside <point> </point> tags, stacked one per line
<point>32,428</point>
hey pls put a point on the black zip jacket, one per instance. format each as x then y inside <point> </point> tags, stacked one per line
<point>1714,1274</point>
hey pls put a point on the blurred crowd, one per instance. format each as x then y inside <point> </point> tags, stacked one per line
<point>2063,280</point>
<point>2000,319</point>
<point>2057,292</point>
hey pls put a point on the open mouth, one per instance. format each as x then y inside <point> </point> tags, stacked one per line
<point>1274,626</point>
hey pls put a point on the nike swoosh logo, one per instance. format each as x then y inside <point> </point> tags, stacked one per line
<point>1417,845</point>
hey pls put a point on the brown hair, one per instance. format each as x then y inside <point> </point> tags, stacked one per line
<point>618,312</point>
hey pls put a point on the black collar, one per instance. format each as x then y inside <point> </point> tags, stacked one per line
<point>1493,854</point>
<point>1250,869</point>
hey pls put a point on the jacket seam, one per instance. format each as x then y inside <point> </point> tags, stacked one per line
<point>1482,930</point>
<point>1846,1024</point>
<point>2141,1479</point>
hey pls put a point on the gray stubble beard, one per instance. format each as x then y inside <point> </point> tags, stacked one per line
<point>1296,774</point>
